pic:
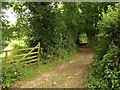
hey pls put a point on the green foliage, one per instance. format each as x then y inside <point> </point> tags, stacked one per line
<point>102,48</point>
<point>49,27</point>
<point>91,12</point>
<point>83,38</point>
<point>57,27</point>
<point>73,19</point>
<point>11,73</point>
<point>105,71</point>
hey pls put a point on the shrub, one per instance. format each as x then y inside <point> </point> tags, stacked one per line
<point>105,71</point>
<point>104,74</point>
<point>11,73</point>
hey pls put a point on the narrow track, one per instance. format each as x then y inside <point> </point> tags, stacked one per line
<point>71,74</point>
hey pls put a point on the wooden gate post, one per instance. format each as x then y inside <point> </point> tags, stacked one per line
<point>38,51</point>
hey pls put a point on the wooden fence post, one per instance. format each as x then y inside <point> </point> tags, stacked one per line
<point>38,51</point>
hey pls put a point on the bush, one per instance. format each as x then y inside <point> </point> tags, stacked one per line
<point>11,73</point>
<point>104,74</point>
<point>105,71</point>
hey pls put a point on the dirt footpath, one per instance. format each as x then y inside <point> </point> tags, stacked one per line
<point>71,74</point>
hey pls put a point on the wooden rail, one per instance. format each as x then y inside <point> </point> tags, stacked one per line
<point>25,58</point>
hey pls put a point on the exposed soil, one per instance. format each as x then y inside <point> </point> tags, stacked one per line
<point>70,74</point>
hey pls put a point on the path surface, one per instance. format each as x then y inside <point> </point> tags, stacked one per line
<point>71,74</point>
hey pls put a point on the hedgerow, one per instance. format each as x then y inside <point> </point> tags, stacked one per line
<point>105,71</point>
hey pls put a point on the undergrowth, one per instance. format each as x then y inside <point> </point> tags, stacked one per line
<point>104,73</point>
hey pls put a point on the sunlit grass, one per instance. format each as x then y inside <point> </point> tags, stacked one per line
<point>83,38</point>
<point>13,44</point>
<point>2,55</point>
